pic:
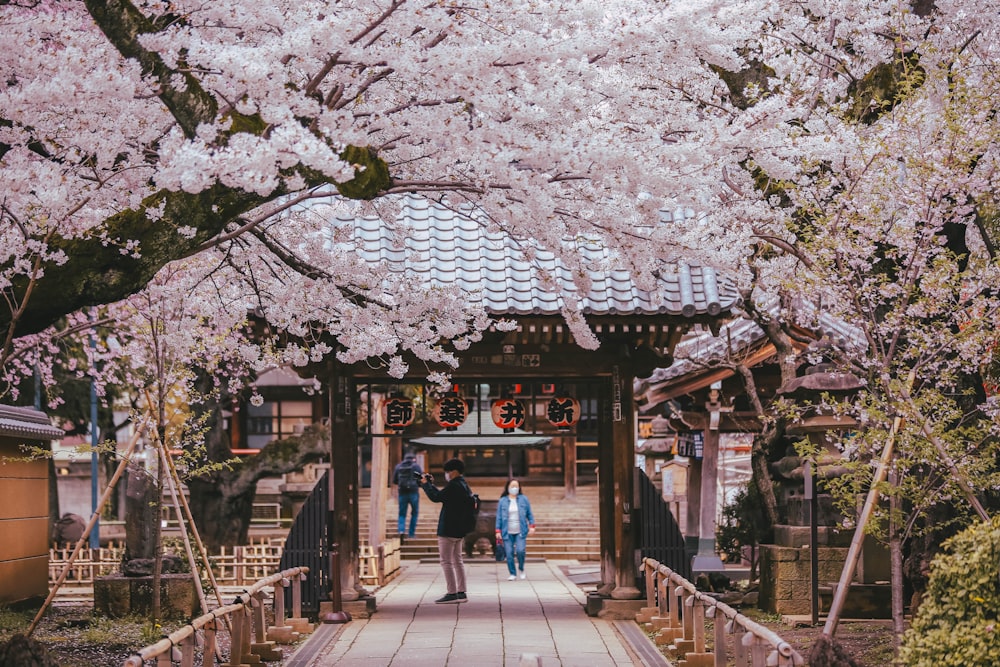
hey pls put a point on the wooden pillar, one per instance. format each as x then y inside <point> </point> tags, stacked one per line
<point>606,489</point>
<point>707,559</point>
<point>380,475</point>
<point>344,489</point>
<point>616,455</point>
<point>709,491</point>
<point>569,466</point>
<point>692,527</point>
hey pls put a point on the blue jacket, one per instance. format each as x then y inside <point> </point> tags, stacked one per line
<point>524,514</point>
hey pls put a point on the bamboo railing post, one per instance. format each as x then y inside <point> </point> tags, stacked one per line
<point>279,602</point>
<point>740,653</point>
<point>236,638</point>
<point>259,631</point>
<point>208,655</point>
<point>663,601</point>
<point>688,619</point>
<point>719,629</point>
<point>758,651</point>
<point>297,597</point>
<point>247,629</point>
<point>187,651</point>
<point>697,623</point>
<point>649,576</point>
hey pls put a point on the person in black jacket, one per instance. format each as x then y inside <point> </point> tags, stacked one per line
<point>451,531</point>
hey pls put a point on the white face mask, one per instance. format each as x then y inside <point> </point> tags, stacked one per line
<point>513,490</point>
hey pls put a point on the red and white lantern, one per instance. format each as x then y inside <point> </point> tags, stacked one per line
<point>398,413</point>
<point>451,411</point>
<point>563,412</point>
<point>508,414</point>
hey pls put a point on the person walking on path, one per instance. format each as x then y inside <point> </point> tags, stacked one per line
<point>455,498</point>
<point>514,523</point>
<point>406,477</point>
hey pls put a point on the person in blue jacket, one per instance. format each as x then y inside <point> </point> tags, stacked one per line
<point>514,523</point>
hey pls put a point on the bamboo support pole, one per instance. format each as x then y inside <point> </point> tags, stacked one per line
<point>194,528</point>
<point>854,552</point>
<point>192,561</point>
<point>90,526</point>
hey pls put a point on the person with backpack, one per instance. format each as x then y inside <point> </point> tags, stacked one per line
<point>407,477</point>
<point>513,525</point>
<point>457,519</point>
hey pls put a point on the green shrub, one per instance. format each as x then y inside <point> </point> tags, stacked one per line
<point>956,624</point>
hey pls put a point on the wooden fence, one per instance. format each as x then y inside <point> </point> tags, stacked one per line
<point>232,566</point>
<point>380,566</point>
<point>251,640</point>
<point>680,613</point>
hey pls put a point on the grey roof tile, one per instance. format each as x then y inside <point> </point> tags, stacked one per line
<point>444,247</point>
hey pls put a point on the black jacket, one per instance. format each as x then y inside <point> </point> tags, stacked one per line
<point>453,498</point>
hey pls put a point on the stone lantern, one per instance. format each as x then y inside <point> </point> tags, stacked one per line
<point>791,578</point>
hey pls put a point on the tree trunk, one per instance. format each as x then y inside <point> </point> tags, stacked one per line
<point>222,501</point>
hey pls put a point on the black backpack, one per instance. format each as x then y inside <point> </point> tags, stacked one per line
<point>404,476</point>
<point>471,516</point>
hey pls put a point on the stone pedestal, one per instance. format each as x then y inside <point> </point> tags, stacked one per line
<point>363,607</point>
<point>611,609</point>
<point>116,596</point>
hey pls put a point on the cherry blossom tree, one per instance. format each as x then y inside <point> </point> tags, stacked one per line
<point>843,152</point>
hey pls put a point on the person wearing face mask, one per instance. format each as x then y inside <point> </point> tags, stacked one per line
<point>451,532</point>
<point>513,525</point>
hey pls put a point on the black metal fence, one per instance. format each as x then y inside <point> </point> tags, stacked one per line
<point>307,545</point>
<point>660,537</point>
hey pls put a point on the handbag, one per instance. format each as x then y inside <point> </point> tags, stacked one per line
<point>500,551</point>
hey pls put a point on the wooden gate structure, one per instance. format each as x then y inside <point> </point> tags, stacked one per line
<point>637,331</point>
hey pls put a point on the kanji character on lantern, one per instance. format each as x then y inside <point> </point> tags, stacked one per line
<point>508,413</point>
<point>398,413</point>
<point>451,411</point>
<point>563,412</point>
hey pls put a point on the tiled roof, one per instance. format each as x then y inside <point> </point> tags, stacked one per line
<point>437,246</point>
<point>699,348</point>
<point>18,422</point>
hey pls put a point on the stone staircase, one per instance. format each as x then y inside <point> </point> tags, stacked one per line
<point>565,528</point>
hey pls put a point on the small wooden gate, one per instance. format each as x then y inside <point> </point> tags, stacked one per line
<point>659,535</point>
<point>307,545</point>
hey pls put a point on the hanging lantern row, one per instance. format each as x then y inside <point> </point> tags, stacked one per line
<point>508,414</point>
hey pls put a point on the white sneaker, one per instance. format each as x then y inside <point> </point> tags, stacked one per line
<point>522,575</point>
<point>511,578</point>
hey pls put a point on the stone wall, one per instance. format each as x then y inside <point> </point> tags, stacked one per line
<point>786,584</point>
<point>786,576</point>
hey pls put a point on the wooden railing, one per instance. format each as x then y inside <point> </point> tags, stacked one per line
<point>249,634</point>
<point>679,613</point>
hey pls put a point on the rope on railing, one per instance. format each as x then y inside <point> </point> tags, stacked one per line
<point>239,646</point>
<point>688,635</point>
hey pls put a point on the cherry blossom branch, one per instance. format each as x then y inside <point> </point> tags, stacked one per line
<point>122,23</point>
